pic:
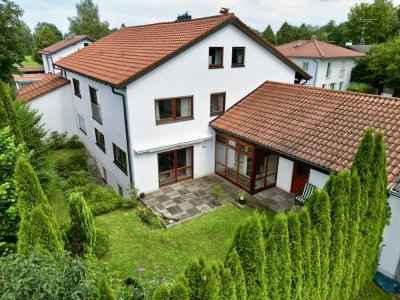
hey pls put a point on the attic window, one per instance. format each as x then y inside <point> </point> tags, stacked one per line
<point>238,57</point>
<point>216,57</point>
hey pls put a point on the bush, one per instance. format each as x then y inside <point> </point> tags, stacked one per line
<point>73,143</point>
<point>217,191</point>
<point>102,244</point>
<point>133,199</point>
<point>58,140</point>
<point>104,200</point>
<point>361,88</point>
<point>65,167</point>
<point>149,218</point>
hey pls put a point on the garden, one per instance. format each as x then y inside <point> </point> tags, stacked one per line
<point>66,235</point>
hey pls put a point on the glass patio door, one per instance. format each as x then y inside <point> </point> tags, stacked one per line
<point>175,165</point>
<point>265,170</point>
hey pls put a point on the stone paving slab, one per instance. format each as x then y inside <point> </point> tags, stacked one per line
<point>182,201</point>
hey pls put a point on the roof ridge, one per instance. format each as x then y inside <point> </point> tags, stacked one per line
<point>336,91</point>
<point>318,48</point>
<point>180,21</point>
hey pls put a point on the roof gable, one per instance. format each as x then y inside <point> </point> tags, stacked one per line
<point>65,44</point>
<point>315,48</point>
<point>320,126</point>
<point>130,52</point>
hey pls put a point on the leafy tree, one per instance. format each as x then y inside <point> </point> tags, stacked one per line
<point>43,38</point>
<point>234,265</point>
<point>251,251</point>
<point>53,28</point>
<point>88,21</point>
<point>278,265</point>
<point>7,111</point>
<point>307,262</point>
<point>296,254</point>
<point>287,33</point>
<point>269,35</point>
<point>376,20</point>
<point>81,233</point>
<point>26,38</point>
<point>12,35</point>
<point>360,88</point>
<point>305,32</point>
<point>316,270</point>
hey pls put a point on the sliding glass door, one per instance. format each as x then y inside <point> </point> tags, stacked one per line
<point>175,165</point>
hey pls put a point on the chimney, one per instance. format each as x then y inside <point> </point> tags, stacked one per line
<point>224,11</point>
<point>183,17</point>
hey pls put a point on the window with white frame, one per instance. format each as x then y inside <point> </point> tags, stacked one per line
<point>306,65</point>
<point>82,124</point>
<point>328,70</point>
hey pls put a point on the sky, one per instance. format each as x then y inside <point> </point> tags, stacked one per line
<point>255,13</point>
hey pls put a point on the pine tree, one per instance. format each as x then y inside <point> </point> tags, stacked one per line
<point>338,195</point>
<point>305,232</point>
<point>323,227</point>
<point>7,104</point>
<point>296,254</point>
<point>316,275</point>
<point>81,233</point>
<point>269,35</point>
<point>37,233</point>
<point>234,265</point>
<point>162,293</point>
<point>278,265</point>
<point>251,250</point>
<point>178,291</point>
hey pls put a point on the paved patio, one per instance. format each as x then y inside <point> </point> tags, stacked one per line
<point>185,200</point>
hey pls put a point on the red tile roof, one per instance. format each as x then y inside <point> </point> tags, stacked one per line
<point>49,83</point>
<point>29,77</point>
<point>320,126</point>
<point>65,43</point>
<point>128,53</point>
<point>315,48</point>
<point>30,69</point>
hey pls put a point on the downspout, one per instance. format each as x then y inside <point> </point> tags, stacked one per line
<point>316,72</point>
<point>127,136</point>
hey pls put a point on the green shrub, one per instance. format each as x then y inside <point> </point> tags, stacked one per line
<point>102,244</point>
<point>58,140</point>
<point>217,191</point>
<point>73,143</point>
<point>133,197</point>
<point>361,88</point>
<point>104,200</point>
<point>149,218</point>
<point>65,167</point>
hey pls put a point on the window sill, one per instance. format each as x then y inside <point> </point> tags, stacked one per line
<point>121,167</point>
<point>237,66</point>
<point>101,147</point>
<point>215,114</point>
<point>174,121</point>
<point>215,66</point>
<point>97,121</point>
<point>78,95</point>
<point>84,132</point>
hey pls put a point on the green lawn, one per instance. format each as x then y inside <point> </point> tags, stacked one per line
<point>133,245</point>
<point>29,62</point>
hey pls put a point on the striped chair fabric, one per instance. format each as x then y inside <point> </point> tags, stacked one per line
<point>308,189</point>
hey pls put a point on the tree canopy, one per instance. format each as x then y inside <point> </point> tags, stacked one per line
<point>87,21</point>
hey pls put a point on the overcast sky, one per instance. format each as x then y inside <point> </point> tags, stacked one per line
<point>256,13</point>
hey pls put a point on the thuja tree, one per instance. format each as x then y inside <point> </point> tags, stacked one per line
<point>234,265</point>
<point>8,114</point>
<point>251,250</point>
<point>316,270</point>
<point>81,233</point>
<point>296,255</point>
<point>307,259</point>
<point>278,265</point>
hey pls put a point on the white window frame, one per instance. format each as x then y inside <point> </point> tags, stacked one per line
<point>81,120</point>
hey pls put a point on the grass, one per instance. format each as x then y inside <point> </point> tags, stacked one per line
<point>374,292</point>
<point>29,62</point>
<point>63,154</point>
<point>133,245</point>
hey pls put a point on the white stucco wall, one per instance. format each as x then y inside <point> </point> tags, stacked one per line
<point>188,74</point>
<point>390,255</point>
<point>112,127</point>
<point>48,60</point>
<point>312,67</point>
<point>317,178</point>
<point>57,109</point>
<point>285,173</point>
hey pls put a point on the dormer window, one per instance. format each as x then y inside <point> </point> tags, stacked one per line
<point>238,57</point>
<point>216,57</point>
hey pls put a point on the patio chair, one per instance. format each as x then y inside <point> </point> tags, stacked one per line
<point>308,189</point>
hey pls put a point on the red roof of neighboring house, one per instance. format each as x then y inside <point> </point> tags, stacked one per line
<point>49,83</point>
<point>128,53</point>
<point>29,69</point>
<point>29,77</point>
<point>315,48</point>
<point>319,126</point>
<point>65,43</point>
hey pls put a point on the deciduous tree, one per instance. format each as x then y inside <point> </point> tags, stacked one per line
<point>43,38</point>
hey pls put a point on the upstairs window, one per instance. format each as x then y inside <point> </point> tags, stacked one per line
<point>82,124</point>
<point>328,70</point>
<point>96,112</point>
<point>77,89</point>
<point>174,109</point>
<point>120,158</point>
<point>217,104</point>
<point>100,142</point>
<point>216,57</point>
<point>306,65</point>
<point>238,57</point>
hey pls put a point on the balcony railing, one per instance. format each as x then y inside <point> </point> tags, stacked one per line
<point>96,113</point>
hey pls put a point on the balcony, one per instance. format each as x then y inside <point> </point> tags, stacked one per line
<point>96,113</point>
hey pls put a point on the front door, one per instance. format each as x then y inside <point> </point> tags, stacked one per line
<point>175,165</point>
<point>301,173</point>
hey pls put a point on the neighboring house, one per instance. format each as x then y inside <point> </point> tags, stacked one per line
<point>26,79</point>
<point>51,96</point>
<point>329,65</point>
<point>285,135</point>
<point>63,48</point>
<point>31,69</point>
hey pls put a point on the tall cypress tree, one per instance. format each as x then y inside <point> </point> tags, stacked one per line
<point>162,293</point>
<point>316,269</point>
<point>305,232</point>
<point>81,233</point>
<point>310,205</point>
<point>178,291</point>
<point>251,250</point>
<point>193,275</point>
<point>234,265</point>
<point>228,289</point>
<point>323,227</point>
<point>9,109</point>
<point>278,266</point>
<point>296,254</point>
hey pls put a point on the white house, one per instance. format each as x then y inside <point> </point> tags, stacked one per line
<point>329,65</point>
<point>63,48</point>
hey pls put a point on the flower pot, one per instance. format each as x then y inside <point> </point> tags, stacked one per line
<point>242,201</point>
